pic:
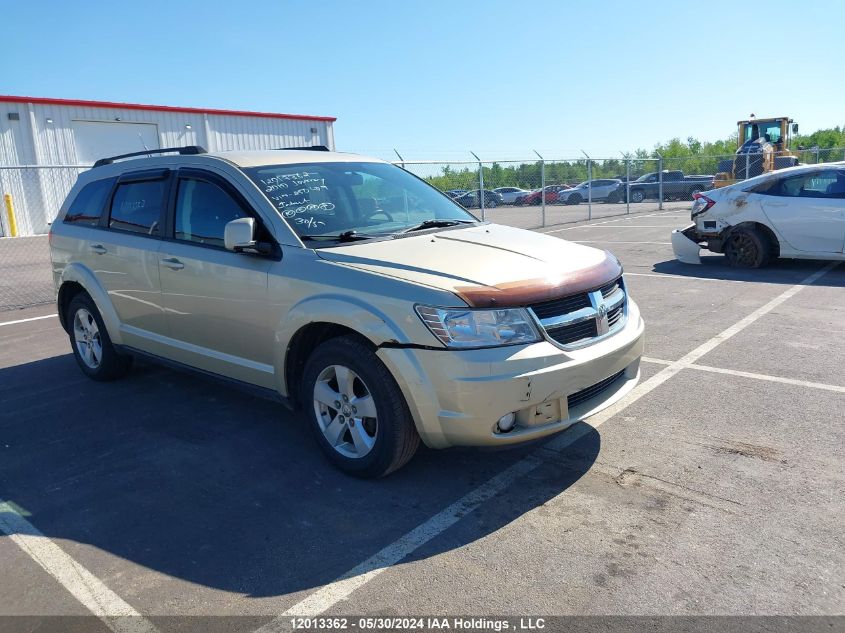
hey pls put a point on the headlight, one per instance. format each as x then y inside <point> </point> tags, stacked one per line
<point>465,328</point>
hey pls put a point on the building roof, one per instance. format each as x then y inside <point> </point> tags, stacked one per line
<point>159,108</point>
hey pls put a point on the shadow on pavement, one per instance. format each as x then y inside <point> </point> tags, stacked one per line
<point>782,271</point>
<point>218,488</point>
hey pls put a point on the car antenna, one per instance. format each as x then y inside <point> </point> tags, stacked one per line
<point>143,144</point>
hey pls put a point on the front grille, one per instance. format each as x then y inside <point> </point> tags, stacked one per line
<point>610,288</point>
<point>575,320</point>
<point>614,316</point>
<point>565,305</point>
<point>592,391</point>
<point>569,334</point>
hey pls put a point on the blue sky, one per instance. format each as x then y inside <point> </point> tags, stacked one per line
<point>436,79</point>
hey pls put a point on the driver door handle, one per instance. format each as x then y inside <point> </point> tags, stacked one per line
<point>97,248</point>
<point>172,263</point>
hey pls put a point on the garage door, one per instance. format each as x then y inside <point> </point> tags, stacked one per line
<point>97,139</point>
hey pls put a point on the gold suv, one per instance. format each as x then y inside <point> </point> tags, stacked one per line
<point>344,286</point>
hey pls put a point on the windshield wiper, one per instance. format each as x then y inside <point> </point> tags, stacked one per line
<point>345,236</point>
<point>432,224</point>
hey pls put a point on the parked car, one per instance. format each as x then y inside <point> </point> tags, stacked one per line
<point>455,192</point>
<point>385,322</point>
<point>676,186</point>
<point>797,212</point>
<point>471,199</point>
<point>533,197</point>
<point>603,190</point>
<point>510,194</point>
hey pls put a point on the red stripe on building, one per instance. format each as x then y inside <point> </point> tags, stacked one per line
<point>159,108</point>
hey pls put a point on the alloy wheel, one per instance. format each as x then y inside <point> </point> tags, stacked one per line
<point>346,411</point>
<point>86,335</point>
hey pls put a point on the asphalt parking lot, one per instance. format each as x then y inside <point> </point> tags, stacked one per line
<point>716,487</point>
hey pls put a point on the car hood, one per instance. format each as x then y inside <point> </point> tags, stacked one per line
<point>487,265</point>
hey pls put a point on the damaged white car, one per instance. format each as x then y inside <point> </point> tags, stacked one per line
<point>796,213</point>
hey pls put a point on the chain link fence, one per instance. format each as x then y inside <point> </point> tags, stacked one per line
<point>32,196</point>
<point>533,193</point>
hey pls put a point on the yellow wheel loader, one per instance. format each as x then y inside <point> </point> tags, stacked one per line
<point>762,146</point>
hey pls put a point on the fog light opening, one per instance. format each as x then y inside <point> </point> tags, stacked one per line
<point>506,423</point>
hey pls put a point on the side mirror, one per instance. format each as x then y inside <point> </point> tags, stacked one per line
<point>239,235</point>
<point>795,128</point>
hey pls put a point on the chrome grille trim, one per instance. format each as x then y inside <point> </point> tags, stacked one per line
<point>608,311</point>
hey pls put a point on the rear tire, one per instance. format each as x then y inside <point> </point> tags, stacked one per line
<point>748,248</point>
<point>94,352</point>
<point>343,379</point>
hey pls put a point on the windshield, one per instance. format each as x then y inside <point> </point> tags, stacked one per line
<point>770,131</point>
<point>369,199</point>
<point>645,178</point>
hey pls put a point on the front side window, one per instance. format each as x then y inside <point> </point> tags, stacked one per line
<point>370,199</point>
<point>87,207</point>
<point>136,206</point>
<point>202,211</point>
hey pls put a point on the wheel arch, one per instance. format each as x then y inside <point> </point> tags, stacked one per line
<point>761,228</point>
<point>75,279</point>
<point>303,342</point>
<point>319,319</point>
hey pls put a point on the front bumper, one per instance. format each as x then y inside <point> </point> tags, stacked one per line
<point>457,397</point>
<point>686,249</point>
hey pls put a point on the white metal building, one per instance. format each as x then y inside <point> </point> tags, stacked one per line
<point>44,143</point>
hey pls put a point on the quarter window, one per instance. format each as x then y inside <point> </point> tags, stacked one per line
<point>87,207</point>
<point>202,211</point>
<point>136,206</point>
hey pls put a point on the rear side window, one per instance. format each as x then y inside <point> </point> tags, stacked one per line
<point>824,184</point>
<point>202,211</point>
<point>87,207</point>
<point>136,206</point>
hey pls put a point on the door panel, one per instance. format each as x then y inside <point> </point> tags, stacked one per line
<point>808,224</point>
<point>217,312</point>
<point>127,266</point>
<point>215,300</point>
<point>125,257</point>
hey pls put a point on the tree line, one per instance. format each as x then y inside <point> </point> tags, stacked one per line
<point>691,156</point>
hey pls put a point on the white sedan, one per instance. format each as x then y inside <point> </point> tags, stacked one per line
<point>797,213</point>
<point>510,194</point>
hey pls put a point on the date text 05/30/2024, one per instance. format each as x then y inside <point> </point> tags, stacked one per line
<point>417,624</point>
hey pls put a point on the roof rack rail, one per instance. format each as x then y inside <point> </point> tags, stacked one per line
<point>309,148</point>
<point>190,149</point>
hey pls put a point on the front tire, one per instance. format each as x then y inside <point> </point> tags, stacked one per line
<point>357,411</point>
<point>637,196</point>
<point>575,198</point>
<point>747,248</point>
<point>94,352</point>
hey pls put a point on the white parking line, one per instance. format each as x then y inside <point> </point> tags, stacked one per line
<point>38,318</point>
<point>615,242</point>
<point>625,226</point>
<point>691,277</point>
<point>749,374</point>
<point>617,219</point>
<point>340,589</point>
<point>81,583</point>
